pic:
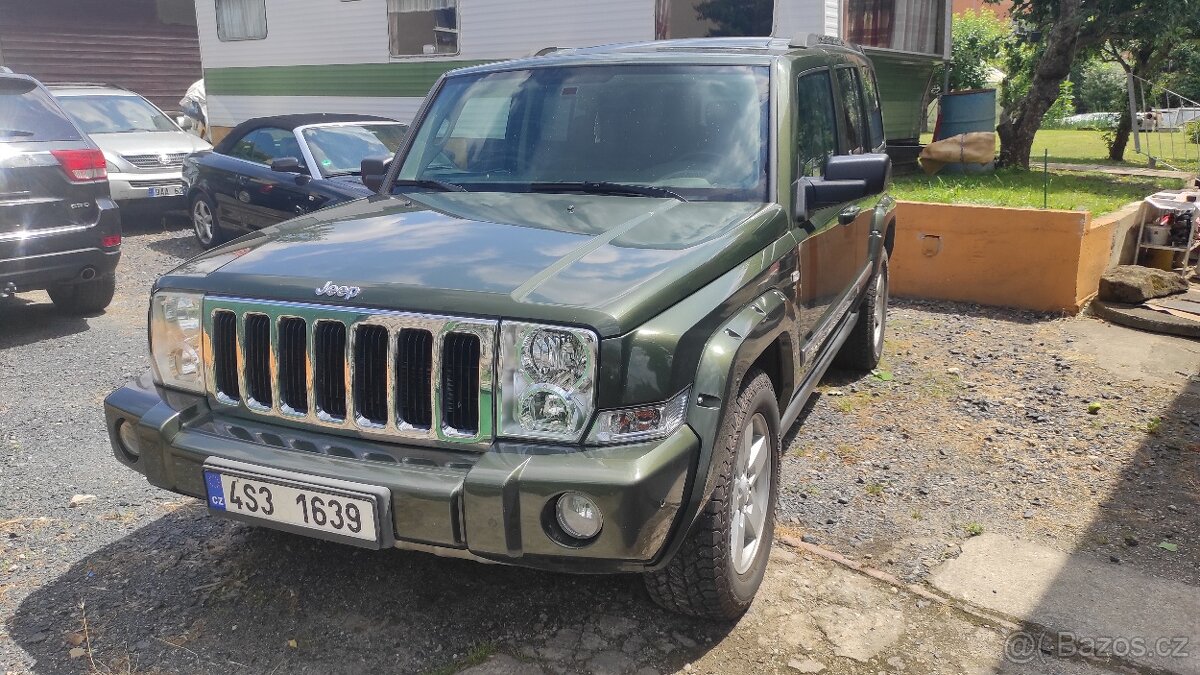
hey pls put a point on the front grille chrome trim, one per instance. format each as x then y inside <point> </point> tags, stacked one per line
<point>353,319</point>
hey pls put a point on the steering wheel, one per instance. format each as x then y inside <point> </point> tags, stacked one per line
<point>709,158</point>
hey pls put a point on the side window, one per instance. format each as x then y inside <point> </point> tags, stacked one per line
<point>422,27</point>
<point>853,127</point>
<point>816,124</point>
<point>241,20</point>
<point>874,112</point>
<point>265,145</point>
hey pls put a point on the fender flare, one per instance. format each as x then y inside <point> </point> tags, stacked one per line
<point>727,357</point>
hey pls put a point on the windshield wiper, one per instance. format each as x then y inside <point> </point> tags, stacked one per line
<point>429,183</point>
<point>15,132</point>
<point>604,187</point>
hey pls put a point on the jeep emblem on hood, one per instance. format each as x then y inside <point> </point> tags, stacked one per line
<point>345,292</point>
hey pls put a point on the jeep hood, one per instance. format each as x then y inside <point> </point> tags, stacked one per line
<point>610,262</point>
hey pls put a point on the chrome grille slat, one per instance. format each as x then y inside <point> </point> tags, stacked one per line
<point>154,161</point>
<point>376,373</point>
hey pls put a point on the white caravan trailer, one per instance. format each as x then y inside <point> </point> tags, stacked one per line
<point>268,57</point>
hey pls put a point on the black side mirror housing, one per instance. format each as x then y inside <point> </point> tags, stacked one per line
<point>287,165</point>
<point>847,178</point>
<point>373,170</point>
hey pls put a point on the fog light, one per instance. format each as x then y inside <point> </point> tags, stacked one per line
<point>578,516</point>
<point>127,435</point>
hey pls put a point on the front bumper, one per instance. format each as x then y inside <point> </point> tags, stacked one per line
<point>496,505</point>
<point>134,188</point>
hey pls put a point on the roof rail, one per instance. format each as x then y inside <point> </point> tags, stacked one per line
<point>817,39</point>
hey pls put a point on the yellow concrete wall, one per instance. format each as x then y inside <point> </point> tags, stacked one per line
<point>1023,258</point>
<point>1103,247</point>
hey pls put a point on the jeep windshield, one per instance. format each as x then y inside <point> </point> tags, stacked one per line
<point>696,132</point>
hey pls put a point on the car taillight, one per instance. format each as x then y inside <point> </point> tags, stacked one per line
<point>82,166</point>
<point>111,241</point>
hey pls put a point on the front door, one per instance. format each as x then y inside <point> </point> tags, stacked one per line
<point>265,197</point>
<point>823,243</point>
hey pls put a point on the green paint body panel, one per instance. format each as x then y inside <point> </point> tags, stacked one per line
<point>685,296</point>
<point>904,81</point>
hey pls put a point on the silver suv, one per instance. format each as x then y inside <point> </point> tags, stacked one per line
<point>143,147</point>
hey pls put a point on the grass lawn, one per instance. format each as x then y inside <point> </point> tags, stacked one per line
<point>1085,191</point>
<point>1087,147</point>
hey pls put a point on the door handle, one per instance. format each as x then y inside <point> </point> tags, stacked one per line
<point>848,214</point>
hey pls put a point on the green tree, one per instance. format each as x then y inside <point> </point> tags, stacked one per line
<point>737,18</point>
<point>977,47</point>
<point>1066,30</point>
<point>1099,87</point>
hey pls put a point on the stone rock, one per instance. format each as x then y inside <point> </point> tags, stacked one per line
<point>806,665</point>
<point>503,664</point>
<point>1135,284</point>
<point>614,626</point>
<point>81,500</point>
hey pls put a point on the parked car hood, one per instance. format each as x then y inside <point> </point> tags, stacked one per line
<point>150,142</point>
<point>610,262</point>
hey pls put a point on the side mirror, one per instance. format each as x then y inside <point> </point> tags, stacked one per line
<point>873,169</point>
<point>847,178</point>
<point>373,169</point>
<point>287,165</point>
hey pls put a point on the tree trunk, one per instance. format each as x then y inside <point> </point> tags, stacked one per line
<point>1017,130</point>
<point>1116,149</point>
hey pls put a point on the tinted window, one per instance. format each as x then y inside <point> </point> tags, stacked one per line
<point>854,128</point>
<point>29,114</point>
<point>265,145</point>
<point>874,112</point>
<point>816,126</point>
<point>115,114</point>
<point>698,130</point>
<point>340,150</point>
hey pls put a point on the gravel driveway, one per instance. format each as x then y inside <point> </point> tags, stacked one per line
<point>978,420</point>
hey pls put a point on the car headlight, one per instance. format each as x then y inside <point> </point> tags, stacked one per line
<point>640,423</point>
<point>548,380</point>
<point>175,320</point>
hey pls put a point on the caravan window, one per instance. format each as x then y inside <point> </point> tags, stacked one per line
<point>241,20</point>
<point>906,25</point>
<point>422,27</point>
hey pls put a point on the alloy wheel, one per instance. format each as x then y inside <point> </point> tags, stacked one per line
<point>202,221</point>
<point>751,493</point>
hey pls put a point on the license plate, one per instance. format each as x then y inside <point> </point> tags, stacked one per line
<point>294,504</point>
<point>166,191</point>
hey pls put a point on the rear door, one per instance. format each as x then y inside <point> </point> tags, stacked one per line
<point>857,137</point>
<point>35,190</point>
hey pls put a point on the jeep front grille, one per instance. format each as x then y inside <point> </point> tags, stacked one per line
<point>390,374</point>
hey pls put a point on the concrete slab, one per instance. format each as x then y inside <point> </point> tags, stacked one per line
<point>1134,354</point>
<point>1079,603</point>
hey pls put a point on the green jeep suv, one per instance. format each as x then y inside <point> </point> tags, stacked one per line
<point>593,291</point>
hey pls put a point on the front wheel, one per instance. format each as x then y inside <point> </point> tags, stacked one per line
<point>205,223</point>
<point>721,564</point>
<point>864,347</point>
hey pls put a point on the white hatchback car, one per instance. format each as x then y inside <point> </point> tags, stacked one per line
<point>143,147</point>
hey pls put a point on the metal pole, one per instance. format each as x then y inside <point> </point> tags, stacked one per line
<point>1046,178</point>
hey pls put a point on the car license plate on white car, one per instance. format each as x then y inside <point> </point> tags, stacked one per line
<point>304,504</point>
<point>166,191</point>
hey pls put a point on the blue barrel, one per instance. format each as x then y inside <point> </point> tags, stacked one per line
<point>966,111</point>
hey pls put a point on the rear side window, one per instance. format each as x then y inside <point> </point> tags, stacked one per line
<point>874,112</point>
<point>29,114</point>
<point>854,128</point>
<point>816,126</point>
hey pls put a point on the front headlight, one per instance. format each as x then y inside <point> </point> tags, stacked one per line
<point>175,320</point>
<point>547,381</point>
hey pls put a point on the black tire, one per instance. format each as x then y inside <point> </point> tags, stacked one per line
<point>209,235</point>
<point>702,579</point>
<point>84,298</point>
<point>864,348</point>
